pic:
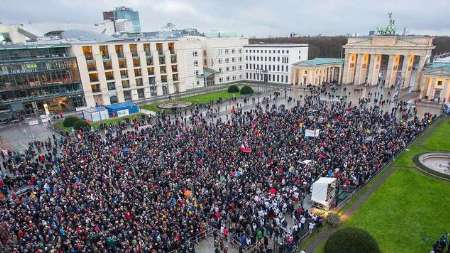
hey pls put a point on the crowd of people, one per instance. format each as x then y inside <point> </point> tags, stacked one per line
<point>160,184</point>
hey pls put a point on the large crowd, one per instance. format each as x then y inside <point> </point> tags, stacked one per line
<point>160,184</point>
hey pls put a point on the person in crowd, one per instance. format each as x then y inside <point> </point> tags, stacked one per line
<point>160,184</point>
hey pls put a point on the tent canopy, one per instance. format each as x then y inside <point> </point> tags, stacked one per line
<point>320,190</point>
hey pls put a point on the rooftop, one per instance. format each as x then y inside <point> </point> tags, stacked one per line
<point>277,45</point>
<point>32,45</point>
<point>320,61</point>
<point>438,68</point>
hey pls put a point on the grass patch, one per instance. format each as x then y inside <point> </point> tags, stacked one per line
<point>410,210</point>
<point>196,99</point>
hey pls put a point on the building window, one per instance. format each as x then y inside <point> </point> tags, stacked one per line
<point>140,93</point>
<point>125,84</point>
<point>111,85</point>
<point>127,95</point>
<point>194,53</point>
<point>139,82</point>
<point>196,63</point>
<point>152,80</point>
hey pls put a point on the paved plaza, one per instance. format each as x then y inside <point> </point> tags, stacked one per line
<point>16,137</point>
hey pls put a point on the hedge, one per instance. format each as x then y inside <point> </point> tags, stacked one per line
<point>233,89</point>
<point>70,121</point>
<point>246,90</point>
<point>351,240</point>
<point>81,124</point>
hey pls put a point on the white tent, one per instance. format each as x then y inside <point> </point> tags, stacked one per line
<point>95,114</point>
<point>323,191</point>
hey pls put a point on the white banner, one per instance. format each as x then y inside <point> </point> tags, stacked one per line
<point>122,113</point>
<point>311,133</point>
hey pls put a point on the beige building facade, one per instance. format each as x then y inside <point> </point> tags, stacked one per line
<point>119,71</point>
<point>317,71</point>
<point>435,83</point>
<point>386,60</point>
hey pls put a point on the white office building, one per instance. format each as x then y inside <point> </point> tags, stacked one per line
<point>272,62</point>
<point>223,59</point>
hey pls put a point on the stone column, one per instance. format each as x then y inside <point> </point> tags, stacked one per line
<point>430,88</point>
<point>332,74</point>
<point>358,65</point>
<point>346,69</point>
<point>364,69</point>
<point>370,68</point>
<point>389,70</point>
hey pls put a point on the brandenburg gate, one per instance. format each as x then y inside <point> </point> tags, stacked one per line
<point>386,60</point>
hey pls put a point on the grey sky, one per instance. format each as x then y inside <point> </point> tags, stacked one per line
<point>248,17</point>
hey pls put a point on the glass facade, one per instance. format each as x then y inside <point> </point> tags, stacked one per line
<point>31,77</point>
<point>128,14</point>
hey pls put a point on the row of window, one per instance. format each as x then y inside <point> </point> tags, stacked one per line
<point>278,68</point>
<point>119,50</point>
<point>267,77</point>
<point>95,88</point>
<point>232,68</point>
<point>226,60</point>
<point>230,78</point>
<point>232,51</point>
<point>283,59</point>
<point>127,94</point>
<point>265,51</point>
<point>109,75</point>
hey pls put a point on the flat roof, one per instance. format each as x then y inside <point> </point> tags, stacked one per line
<point>276,45</point>
<point>320,61</point>
<point>438,69</point>
<point>32,46</point>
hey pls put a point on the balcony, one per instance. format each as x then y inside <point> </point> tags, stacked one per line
<point>92,67</point>
<point>134,54</point>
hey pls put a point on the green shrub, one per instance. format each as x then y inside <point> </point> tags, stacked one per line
<point>70,121</point>
<point>351,240</point>
<point>81,124</point>
<point>333,219</point>
<point>233,89</point>
<point>246,90</point>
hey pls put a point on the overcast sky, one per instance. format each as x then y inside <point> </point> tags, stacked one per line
<point>248,17</point>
